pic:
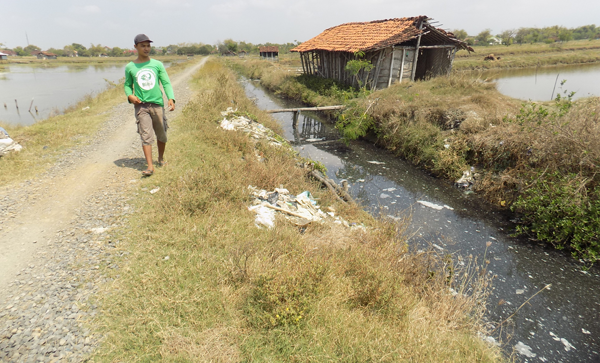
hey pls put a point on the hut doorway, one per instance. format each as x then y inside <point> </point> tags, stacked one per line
<point>433,62</point>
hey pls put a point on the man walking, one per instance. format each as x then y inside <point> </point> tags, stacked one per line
<point>142,89</point>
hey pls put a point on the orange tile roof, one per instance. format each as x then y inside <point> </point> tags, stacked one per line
<point>353,37</point>
<point>269,49</point>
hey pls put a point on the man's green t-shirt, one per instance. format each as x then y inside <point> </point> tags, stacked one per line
<point>144,78</point>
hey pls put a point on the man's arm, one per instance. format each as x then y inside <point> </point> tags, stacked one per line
<point>128,86</point>
<point>166,83</point>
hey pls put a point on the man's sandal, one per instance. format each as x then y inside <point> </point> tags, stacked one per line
<point>162,163</point>
<point>147,172</point>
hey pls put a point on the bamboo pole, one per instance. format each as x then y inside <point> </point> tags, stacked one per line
<point>378,67</point>
<point>391,68</point>
<point>402,65</point>
<point>414,70</point>
<point>321,108</point>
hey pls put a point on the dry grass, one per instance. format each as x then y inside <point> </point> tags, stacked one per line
<point>231,292</point>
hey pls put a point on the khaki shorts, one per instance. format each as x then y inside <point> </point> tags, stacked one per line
<point>150,122</point>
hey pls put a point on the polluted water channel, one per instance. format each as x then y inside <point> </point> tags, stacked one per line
<point>559,324</point>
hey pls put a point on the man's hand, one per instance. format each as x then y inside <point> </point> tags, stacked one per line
<point>133,99</point>
<point>171,105</point>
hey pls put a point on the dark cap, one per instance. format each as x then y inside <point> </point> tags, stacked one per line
<point>141,38</point>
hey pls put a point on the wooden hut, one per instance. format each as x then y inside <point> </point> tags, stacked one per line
<point>269,52</point>
<point>3,56</point>
<point>404,49</point>
<point>46,55</point>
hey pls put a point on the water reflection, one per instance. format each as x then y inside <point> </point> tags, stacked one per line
<point>52,88</point>
<point>559,324</point>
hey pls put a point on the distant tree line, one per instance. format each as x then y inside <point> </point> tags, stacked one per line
<point>547,35</point>
<point>227,46</point>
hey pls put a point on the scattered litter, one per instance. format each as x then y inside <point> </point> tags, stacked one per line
<point>99,230</point>
<point>7,144</point>
<point>447,146</point>
<point>438,247</point>
<point>301,209</point>
<point>315,140</point>
<point>520,291</point>
<point>585,331</point>
<point>133,181</point>
<point>360,180</point>
<point>434,206</point>
<point>166,258</point>
<point>242,123</point>
<point>466,181</point>
<point>524,350</point>
<point>389,189</point>
<point>376,162</point>
<point>565,342</point>
<point>264,216</point>
<point>85,108</point>
<point>154,190</point>
<point>384,196</point>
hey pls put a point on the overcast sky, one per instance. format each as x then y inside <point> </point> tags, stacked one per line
<point>56,23</point>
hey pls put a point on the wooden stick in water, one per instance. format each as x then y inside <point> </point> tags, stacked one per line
<point>31,104</point>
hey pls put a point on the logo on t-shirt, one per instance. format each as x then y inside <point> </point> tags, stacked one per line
<point>146,79</point>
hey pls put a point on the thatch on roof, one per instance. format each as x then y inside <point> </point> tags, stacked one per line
<point>399,49</point>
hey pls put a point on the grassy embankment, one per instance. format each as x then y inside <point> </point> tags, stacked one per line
<point>530,55</point>
<point>231,292</point>
<point>541,160</point>
<point>44,141</point>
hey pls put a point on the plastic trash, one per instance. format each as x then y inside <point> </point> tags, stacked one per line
<point>264,216</point>
<point>467,180</point>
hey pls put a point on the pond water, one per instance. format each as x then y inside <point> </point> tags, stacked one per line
<point>543,84</point>
<point>560,324</point>
<point>52,88</point>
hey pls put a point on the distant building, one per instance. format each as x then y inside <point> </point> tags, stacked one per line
<point>269,52</point>
<point>8,52</point>
<point>3,56</point>
<point>46,55</point>
<point>402,49</point>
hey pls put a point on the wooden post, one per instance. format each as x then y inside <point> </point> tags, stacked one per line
<point>402,65</point>
<point>391,68</point>
<point>16,104</point>
<point>414,70</point>
<point>31,104</point>
<point>378,67</point>
<point>452,60</point>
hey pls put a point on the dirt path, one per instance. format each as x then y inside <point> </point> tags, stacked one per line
<point>58,197</point>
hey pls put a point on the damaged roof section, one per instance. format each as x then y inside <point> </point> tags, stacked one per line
<point>379,34</point>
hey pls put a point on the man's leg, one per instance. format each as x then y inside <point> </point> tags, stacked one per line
<point>161,151</point>
<point>144,119</point>
<point>148,154</point>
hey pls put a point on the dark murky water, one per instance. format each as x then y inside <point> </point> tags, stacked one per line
<point>543,84</point>
<point>558,325</point>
